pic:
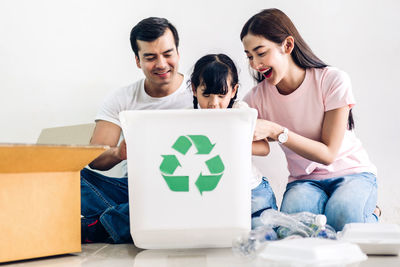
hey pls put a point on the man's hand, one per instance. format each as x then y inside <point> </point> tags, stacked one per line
<point>107,133</point>
<point>122,150</point>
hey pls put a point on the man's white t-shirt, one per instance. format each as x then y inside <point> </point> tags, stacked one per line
<point>134,97</point>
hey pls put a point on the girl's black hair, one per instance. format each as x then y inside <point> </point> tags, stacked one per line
<point>212,71</point>
<point>276,26</point>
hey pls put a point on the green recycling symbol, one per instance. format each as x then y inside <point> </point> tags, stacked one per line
<point>204,182</point>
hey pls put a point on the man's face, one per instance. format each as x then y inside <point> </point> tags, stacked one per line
<point>159,60</point>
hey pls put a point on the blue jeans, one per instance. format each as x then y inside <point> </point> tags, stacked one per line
<point>347,199</point>
<point>262,198</point>
<point>106,199</point>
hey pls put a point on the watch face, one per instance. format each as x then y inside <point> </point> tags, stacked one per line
<point>282,138</point>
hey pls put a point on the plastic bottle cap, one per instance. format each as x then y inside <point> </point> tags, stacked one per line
<point>320,220</point>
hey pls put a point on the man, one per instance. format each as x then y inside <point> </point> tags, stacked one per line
<point>105,200</point>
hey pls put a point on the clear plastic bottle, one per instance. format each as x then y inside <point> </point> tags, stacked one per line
<point>317,222</point>
<point>279,225</point>
<point>285,224</point>
<point>250,244</point>
<point>305,224</point>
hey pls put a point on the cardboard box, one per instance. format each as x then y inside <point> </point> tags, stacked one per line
<point>40,199</point>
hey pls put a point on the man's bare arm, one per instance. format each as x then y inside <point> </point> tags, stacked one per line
<point>108,133</point>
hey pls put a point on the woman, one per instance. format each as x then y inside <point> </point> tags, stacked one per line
<point>306,106</point>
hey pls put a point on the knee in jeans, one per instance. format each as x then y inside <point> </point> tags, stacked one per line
<point>340,214</point>
<point>288,207</point>
<point>298,201</point>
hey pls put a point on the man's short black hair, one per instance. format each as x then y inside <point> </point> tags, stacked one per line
<point>150,29</point>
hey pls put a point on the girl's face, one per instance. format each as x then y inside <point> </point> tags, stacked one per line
<point>214,100</point>
<point>268,58</point>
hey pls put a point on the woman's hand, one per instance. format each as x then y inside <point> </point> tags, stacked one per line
<point>266,130</point>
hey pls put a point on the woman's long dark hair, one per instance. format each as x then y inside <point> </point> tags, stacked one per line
<point>275,26</point>
<point>212,71</point>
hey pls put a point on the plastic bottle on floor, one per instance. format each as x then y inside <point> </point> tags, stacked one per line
<point>317,222</point>
<point>249,244</point>
<point>279,225</point>
<point>304,224</point>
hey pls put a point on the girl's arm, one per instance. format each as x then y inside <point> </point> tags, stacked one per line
<point>260,148</point>
<point>323,151</point>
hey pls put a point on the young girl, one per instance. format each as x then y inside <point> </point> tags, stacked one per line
<point>214,83</point>
<point>306,106</point>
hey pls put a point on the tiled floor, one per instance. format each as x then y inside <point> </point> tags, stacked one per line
<point>104,255</point>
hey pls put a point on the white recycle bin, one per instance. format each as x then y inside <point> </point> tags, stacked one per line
<point>188,175</point>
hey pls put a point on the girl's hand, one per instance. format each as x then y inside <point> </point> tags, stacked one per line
<point>260,148</point>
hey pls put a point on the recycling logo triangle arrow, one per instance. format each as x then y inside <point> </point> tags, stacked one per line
<point>203,183</point>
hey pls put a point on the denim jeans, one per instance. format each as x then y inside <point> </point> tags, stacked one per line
<point>347,199</point>
<point>262,198</point>
<point>106,199</point>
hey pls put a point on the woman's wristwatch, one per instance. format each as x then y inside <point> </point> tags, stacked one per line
<point>283,136</point>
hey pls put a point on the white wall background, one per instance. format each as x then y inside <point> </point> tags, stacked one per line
<point>58,59</point>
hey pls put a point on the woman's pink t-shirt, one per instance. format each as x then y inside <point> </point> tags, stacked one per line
<point>303,112</point>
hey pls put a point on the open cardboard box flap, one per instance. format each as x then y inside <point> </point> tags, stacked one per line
<point>18,158</point>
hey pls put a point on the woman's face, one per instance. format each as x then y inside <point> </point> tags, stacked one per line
<point>214,101</point>
<point>266,57</point>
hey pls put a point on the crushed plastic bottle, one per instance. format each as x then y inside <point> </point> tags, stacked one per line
<point>317,222</point>
<point>249,244</point>
<point>285,224</point>
<point>305,224</point>
<point>324,230</point>
<point>279,225</point>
